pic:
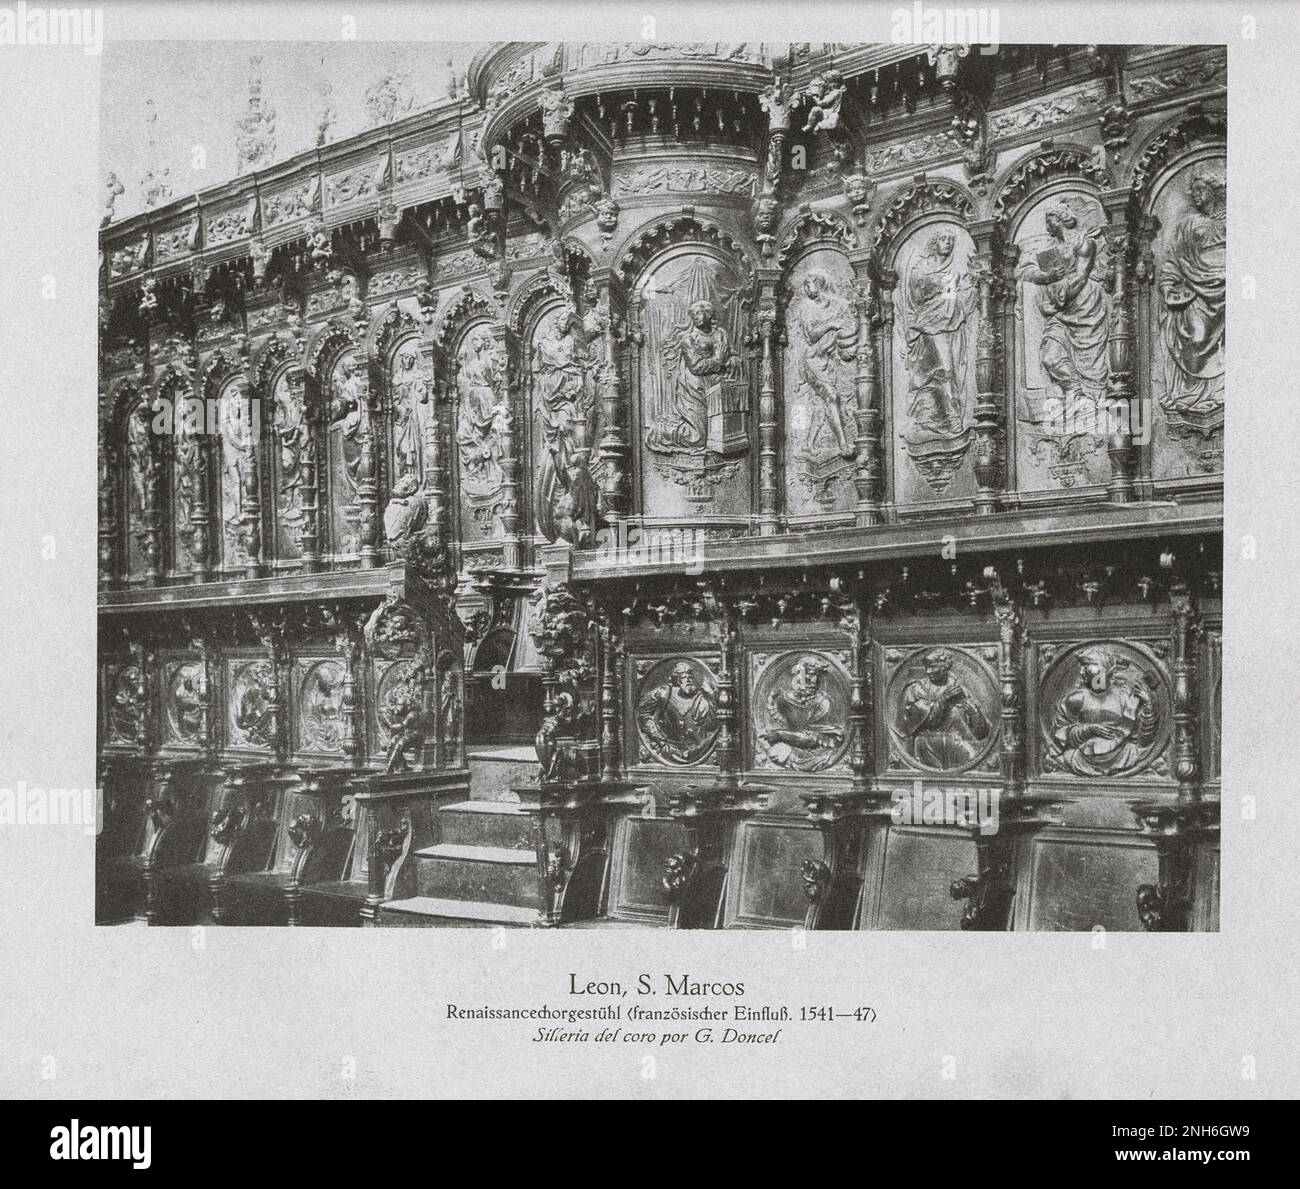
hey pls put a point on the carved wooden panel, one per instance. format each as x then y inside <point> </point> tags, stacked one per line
<point>412,411</point>
<point>237,442</point>
<point>1188,341</point>
<point>184,696</point>
<point>764,888</point>
<point>565,354</point>
<point>1082,881</point>
<point>695,387</point>
<point>918,868</point>
<point>348,429</point>
<point>799,710</point>
<point>123,705</point>
<point>641,848</point>
<point>1104,709</point>
<point>940,710</point>
<point>673,720</point>
<point>249,720</point>
<point>1062,326</point>
<point>482,414</point>
<point>819,384</point>
<point>320,728</point>
<point>292,453</point>
<point>935,319</point>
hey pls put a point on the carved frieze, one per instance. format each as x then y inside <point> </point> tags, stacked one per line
<point>686,178</point>
<point>222,226</point>
<point>295,202</point>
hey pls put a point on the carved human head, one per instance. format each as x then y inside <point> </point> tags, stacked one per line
<point>1208,189</point>
<point>406,486</point>
<point>683,677</point>
<point>702,313</point>
<point>1097,668</point>
<point>938,664</point>
<point>806,674</point>
<point>941,244</point>
<point>816,283</point>
<point>1060,215</point>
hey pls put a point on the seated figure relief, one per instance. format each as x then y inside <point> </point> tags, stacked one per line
<point>677,716</point>
<point>803,718</point>
<point>1106,724</point>
<point>943,722</point>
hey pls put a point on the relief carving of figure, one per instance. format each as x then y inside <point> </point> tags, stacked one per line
<point>803,732</point>
<point>1071,296</point>
<point>936,302</point>
<point>292,433</point>
<point>125,707</point>
<point>254,719</point>
<point>828,342</point>
<point>350,420</point>
<point>410,410</point>
<point>702,366</point>
<point>566,496</point>
<point>1104,726</point>
<point>941,723</point>
<point>826,94</point>
<point>678,719</point>
<point>188,702</point>
<point>1192,286</point>
<point>143,465</point>
<point>403,718</point>
<point>322,708</point>
<point>186,456</point>
<point>479,379</point>
<point>236,459</point>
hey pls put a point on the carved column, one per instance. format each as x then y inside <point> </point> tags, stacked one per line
<point>1187,756</point>
<point>110,462</point>
<point>435,451</point>
<point>1121,391</point>
<point>151,513</point>
<point>989,416</point>
<point>347,643</point>
<point>270,631</point>
<point>367,470</point>
<point>613,447</point>
<point>868,474</point>
<point>1010,620</point>
<point>610,653</point>
<point>313,415</point>
<point>509,397</point>
<point>879,329</point>
<point>728,740</point>
<point>768,418</point>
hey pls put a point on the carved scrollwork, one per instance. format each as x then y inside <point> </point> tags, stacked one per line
<point>923,196</point>
<point>1040,169</point>
<point>686,227</point>
<point>814,226</point>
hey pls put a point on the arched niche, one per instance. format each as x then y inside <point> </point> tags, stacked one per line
<point>293,457</point>
<point>819,378</point>
<point>182,455</point>
<point>695,407</point>
<point>141,477</point>
<point>482,419</point>
<point>1184,327</point>
<point>935,323</point>
<point>564,349</point>
<point>349,437</point>
<point>1061,332</point>
<point>237,508</point>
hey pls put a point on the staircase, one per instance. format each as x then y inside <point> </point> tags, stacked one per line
<point>483,870</point>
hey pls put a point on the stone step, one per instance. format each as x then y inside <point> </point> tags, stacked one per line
<point>486,874</point>
<point>494,771</point>
<point>433,912</point>
<point>486,823</point>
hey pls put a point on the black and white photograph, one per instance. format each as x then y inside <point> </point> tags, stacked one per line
<point>701,522</point>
